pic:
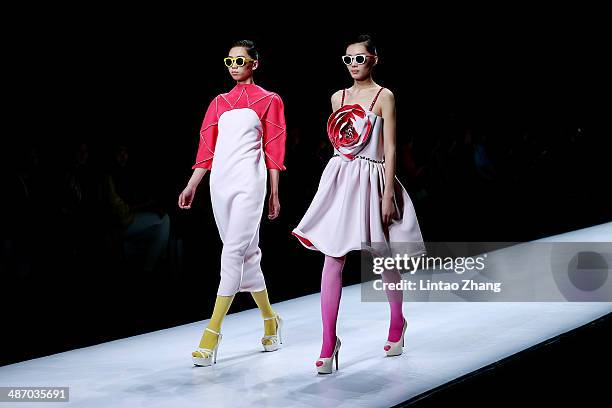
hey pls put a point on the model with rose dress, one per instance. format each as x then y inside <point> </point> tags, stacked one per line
<point>359,201</point>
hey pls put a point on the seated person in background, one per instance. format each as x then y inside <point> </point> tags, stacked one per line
<point>139,217</point>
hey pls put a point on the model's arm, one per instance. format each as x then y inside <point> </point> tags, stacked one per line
<point>274,140</point>
<point>197,176</point>
<point>273,201</point>
<point>204,157</point>
<point>387,100</point>
<point>186,197</point>
<point>208,137</point>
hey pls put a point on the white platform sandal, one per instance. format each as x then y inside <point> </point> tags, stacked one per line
<point>210,355</point>
<point>277,338</point>
<point>324,364</point>
<point>396,348</point>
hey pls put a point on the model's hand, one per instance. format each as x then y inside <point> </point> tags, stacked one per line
<point>186,197</point>
<point>273,206</point>
<point>388,210</point>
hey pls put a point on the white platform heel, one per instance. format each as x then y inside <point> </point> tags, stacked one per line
<point>396,348</point>
<point>324,364</point>
<point>210,356</point>
<point>275,338</point>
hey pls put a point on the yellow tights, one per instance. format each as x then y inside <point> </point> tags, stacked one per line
<point>222,304</point>
<point>261,298</point>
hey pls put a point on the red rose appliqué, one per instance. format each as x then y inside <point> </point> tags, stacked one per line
<point>349,130</point>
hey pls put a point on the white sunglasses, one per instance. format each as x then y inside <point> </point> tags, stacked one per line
<point>360,59</point>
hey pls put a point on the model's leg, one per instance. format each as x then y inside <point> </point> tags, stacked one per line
<point>263,303</point>
<point>331,292</point>
<point>252,278</point>
<point>253,281</point>
<point>232,258</point>
<point>395,297</point>
<point>209,340</point>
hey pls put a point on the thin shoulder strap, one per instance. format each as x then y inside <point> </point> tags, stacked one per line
<point>343,92</point>
<point>376,97</point>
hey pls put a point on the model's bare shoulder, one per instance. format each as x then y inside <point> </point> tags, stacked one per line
<point>387,95</point>
<point>386,100</point>
<point>336,96</point>
<point>336,99</point>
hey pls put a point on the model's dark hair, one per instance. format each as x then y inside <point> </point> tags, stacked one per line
<point>249,46</point>
<point>367,41</point>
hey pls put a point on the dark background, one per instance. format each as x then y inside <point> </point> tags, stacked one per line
<point>531,85</point>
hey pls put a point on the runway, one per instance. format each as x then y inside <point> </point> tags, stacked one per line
<point>444,340</point>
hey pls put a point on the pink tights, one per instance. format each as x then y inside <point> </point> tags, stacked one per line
<point>331,292</point>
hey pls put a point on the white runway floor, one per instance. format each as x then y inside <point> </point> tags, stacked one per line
<point>444,340</point>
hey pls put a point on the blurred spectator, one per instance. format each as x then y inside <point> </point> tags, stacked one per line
<point>482,162</point>
<point>27,214</point>
<point>80,204</point>
<point>144,225</point>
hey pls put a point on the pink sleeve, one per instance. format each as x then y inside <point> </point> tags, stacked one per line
<point>275,134</point>
<point>208,137</point>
